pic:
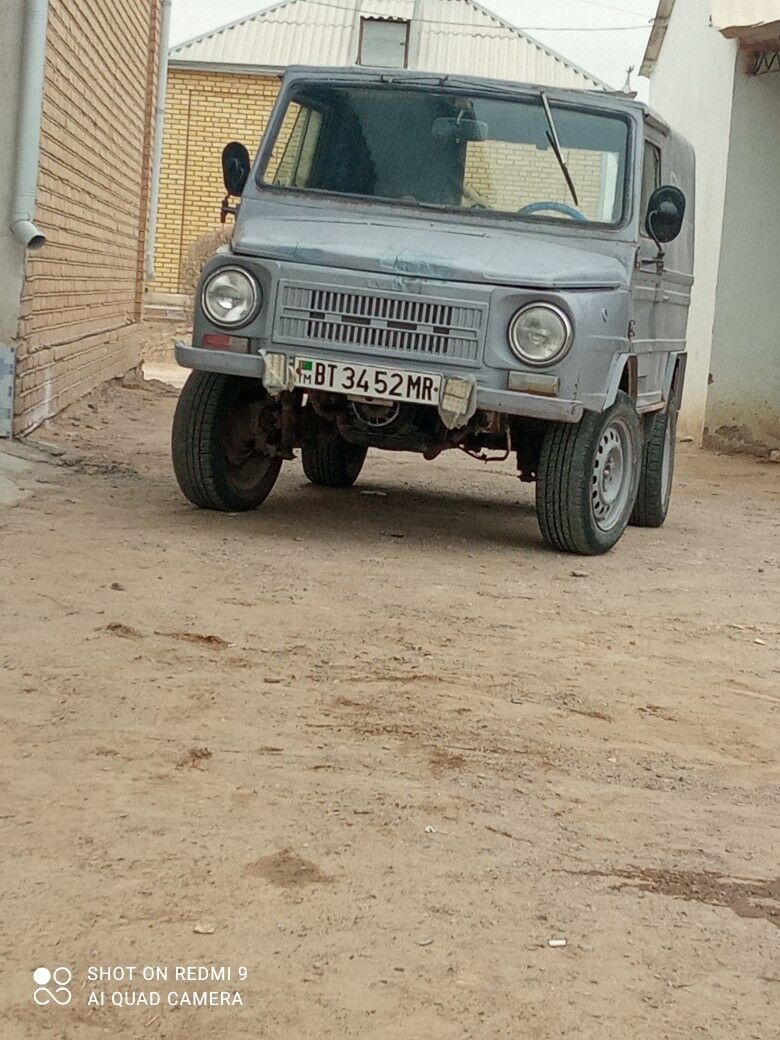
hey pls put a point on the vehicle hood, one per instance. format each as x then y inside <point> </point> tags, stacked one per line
<point>430,248</point>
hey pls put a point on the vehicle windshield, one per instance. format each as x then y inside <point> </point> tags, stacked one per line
<point>450,150</point>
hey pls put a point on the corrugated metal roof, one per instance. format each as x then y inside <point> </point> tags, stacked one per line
<point>455,36</point>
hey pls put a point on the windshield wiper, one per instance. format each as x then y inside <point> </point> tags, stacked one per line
<point>552,137</point>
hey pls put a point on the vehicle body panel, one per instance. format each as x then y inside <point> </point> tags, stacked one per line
<point>622,305</point>
<point>312,233</point>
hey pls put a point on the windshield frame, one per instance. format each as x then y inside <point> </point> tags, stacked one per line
<point>457,86</point>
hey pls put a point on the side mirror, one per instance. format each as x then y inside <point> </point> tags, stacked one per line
<point>235,167</point>
<point>665,213</point>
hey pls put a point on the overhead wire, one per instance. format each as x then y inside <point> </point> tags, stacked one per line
<point>611,7</point>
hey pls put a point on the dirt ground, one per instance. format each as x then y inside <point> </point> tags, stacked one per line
<point>379,747</point>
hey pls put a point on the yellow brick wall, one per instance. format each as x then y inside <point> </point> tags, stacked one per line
<point>82,295</point>
<point>204,110</point>
<point>511,176</point>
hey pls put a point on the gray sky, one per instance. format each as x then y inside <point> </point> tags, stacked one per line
<point>587,35</point>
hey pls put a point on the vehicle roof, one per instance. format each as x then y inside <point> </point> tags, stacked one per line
<point>614,101</point>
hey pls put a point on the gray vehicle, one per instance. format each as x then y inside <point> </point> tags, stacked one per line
<point>422,262</point>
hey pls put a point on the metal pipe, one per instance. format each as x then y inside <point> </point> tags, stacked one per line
<point>28,127</point>
<point>157,147</point>
<point>416,34</point>
<point>354,40</point>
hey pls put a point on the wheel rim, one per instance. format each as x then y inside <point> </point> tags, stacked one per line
<point>245,465</point>
<point>612,475</point>
<point>666,462</point>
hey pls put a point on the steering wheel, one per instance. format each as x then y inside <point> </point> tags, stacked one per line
<point>551,207</point>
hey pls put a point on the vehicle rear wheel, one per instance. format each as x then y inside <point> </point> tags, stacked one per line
<point>337,465</point>
<point>217,432</point>
<point>587,479</point>
<point>655,481</point>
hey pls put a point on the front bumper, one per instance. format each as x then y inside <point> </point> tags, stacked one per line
<point>507,402</point>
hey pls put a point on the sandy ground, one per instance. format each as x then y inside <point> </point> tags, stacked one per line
<point>379,747</point>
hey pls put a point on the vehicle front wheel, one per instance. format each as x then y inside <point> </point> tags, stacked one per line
<point>337,465</point>
<point>216,444</point>
<point>587,479</point>
<point>655,482</point>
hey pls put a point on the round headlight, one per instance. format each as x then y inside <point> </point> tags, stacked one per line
<point>539,334</point>
<point>231,297</point>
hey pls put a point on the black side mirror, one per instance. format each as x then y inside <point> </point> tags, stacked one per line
<point>665,213</point>
<point>235,167</point>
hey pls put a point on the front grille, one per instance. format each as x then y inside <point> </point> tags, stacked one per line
<point>330,317</point>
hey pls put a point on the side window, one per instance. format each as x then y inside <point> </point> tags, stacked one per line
<point>651,176</point>
<point>295,166</point>
<point>383,43</point>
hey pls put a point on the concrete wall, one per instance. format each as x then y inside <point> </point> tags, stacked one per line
<point>11,252</point>
<point>692,88</point>
<point>83,292</point>
<point>743,408</point>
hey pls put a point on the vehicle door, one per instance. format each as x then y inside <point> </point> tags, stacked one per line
<point>648,303</point>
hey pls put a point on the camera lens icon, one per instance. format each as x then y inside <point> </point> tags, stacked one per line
<point>53,986</point>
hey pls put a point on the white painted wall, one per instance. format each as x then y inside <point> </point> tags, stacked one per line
<point>11,252</point>
<point>691,87</point>
<point>743,408</point>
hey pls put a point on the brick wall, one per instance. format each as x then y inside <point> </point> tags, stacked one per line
<point>511,176</point>
<point>204,110</point>
<point>82,295</point>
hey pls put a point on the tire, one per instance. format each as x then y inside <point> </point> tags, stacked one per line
<point>587,479</point>
<point>337,465</point>
<point>655,481</point>
<point>213,443</point>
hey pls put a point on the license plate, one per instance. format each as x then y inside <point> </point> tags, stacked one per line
<point>383,384</point>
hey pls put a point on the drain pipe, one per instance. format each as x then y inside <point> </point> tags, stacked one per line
<point>159,123</point>
<point>28,129</point>
<point>415,31</point>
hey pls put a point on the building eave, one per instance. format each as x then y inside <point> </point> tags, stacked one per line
<point>765,32</point>
<point>226,67</point>
<point>657,34</point>
<point>749,21</point>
